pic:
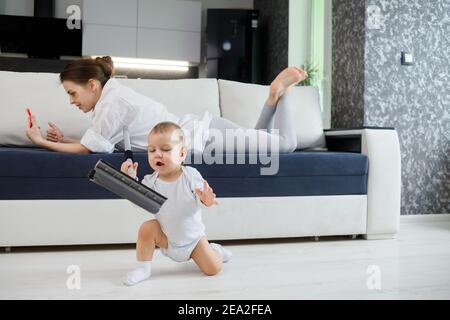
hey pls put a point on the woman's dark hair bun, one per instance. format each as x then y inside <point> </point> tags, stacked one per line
<point>107,65</point>
<point>80,71</point>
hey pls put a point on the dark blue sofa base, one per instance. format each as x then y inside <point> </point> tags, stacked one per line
<point>29,173</point>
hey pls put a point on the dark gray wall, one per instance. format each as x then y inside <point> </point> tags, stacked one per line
<point>348,64</point>
<point>372,88</point>
<point>274,28</point>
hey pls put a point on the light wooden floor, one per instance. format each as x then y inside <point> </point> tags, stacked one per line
<point>414,266</point>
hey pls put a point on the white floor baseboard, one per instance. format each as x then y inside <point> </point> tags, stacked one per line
<point>420,218</point>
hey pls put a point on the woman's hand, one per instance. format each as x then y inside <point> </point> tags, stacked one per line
<point>207,197</point>
<point>33,132</point>
<point>126,165</point>
<point>54,133</point>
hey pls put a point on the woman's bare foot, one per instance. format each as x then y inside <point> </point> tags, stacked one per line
<point>286,79</point>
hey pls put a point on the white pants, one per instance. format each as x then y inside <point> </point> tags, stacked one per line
<point>280,118</point>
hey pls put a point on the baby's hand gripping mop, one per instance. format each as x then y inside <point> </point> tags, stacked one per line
<point>108,177</point>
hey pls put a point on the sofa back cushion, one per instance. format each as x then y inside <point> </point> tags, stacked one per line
<point>242,104</point>
<point>45,96</point>
<point>180,96</point>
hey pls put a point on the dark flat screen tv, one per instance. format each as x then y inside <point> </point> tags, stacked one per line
<point>47,38</point>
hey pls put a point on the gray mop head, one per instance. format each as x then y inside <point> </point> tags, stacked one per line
<point>108,177</point>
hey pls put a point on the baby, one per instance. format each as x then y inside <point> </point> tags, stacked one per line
<point>178,228</point>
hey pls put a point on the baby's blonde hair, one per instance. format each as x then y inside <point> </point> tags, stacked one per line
<point>167,126</point>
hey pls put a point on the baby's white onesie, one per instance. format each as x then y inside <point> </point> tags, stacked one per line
<point>180,216</point>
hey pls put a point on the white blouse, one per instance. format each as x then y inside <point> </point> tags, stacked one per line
<point>121,106</point>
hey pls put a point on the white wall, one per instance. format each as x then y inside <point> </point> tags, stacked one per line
<point>299,32</point>
<point>61,7</point>
<point>17,7</point>
<point>300,46</point>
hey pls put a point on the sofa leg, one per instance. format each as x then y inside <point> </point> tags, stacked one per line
<point>354,236</point>
<point>316,238</point>
<point>7,249</point>
<point>380,236</point>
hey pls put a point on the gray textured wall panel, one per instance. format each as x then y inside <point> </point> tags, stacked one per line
<point>348,64</point>
<point>413,99</point>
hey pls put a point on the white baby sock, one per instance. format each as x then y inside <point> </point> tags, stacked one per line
<point>142,272</point>
<point>226,254</point>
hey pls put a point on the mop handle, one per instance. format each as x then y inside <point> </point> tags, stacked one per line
<point>128,152</point>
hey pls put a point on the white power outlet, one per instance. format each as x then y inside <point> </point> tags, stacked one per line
<point>407,58</point>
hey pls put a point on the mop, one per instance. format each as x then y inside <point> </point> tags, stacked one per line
<point>119,183</point>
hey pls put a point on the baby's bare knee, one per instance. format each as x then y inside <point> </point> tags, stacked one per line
<point>148,230</point>
<point>212,269</point>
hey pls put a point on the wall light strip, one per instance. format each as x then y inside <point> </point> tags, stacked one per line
<point>149,67</point>
<point>150,64</point>
<point>152,61</point>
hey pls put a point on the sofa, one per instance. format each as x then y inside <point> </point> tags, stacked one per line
<point>338,182</point>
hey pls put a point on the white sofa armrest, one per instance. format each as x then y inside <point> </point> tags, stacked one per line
<point>381,146</point>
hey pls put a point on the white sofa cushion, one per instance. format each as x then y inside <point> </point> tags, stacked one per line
<point>45,96</point>
<point>180,96</point>
<point>242,103</point>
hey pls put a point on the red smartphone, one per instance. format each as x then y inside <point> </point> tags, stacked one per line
<point>29,116</point>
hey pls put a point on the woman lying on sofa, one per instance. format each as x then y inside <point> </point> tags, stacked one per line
<point>90,87</point>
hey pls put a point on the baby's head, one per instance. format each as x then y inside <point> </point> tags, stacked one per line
<point>166,149</point>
